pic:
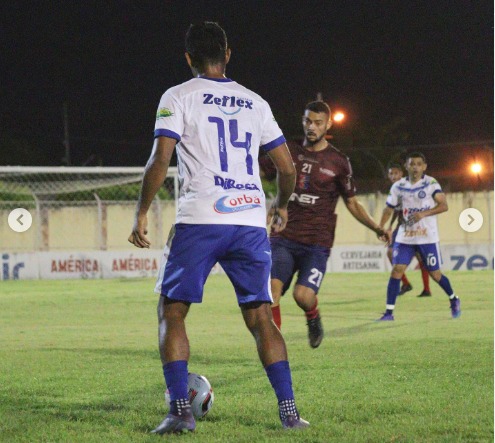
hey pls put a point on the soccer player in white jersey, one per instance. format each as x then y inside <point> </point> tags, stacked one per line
<point>421,199</point>
<point>217,127</point>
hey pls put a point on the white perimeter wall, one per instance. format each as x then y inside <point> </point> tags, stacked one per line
<point>146,263</point>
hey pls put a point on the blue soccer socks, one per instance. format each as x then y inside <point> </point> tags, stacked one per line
<point>281,380</point>
<point>444,283</point>
<point>175,373</point>
<point>393,290</point>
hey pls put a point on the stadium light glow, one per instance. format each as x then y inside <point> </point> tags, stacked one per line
<point>338,117</point>
<point>475,168</point>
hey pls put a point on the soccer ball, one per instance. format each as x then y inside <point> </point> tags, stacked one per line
<point>200,394</point>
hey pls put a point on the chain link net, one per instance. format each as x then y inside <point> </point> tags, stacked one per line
<point>81,208</point>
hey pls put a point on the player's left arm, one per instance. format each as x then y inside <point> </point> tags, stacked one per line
<point>359,212</point>
<point>154,176</point>
<point>441,206</point>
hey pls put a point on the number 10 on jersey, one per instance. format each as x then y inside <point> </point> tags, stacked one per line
<point>234,135</point>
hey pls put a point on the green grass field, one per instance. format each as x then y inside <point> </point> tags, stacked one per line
<point>79,363</point>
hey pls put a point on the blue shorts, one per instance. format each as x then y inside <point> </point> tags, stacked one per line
<point>289,257</point>
<point>242,251</point>
<point>429,253</point>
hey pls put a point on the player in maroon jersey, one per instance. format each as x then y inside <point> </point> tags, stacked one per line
<point>395,173</point>
<point>323,175</point>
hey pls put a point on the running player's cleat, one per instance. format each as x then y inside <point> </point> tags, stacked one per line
<point>405,288</point>
<point>455,307</point>
<point>294,422</point>
<point>425,293</point>
<point>386,317</point>
<point>315,331</point>
<point>174,424</point>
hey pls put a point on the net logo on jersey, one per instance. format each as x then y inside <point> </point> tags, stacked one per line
<point>228,102</point>
<point>304,198</point>
<point>236,204</point>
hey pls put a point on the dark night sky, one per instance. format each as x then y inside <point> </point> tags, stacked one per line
<point>428,62</point>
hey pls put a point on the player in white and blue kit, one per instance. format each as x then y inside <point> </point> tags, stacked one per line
<point>421,199</point>
<point>217,127</point>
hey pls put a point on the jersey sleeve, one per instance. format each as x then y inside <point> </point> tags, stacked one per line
<point>272,135</point>
<point>393,200</point>
<point>435,187</point>
<point>345,180</point>
<point>169,119</point>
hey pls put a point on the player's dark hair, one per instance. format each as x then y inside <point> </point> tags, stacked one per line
<point>394,165</point>
<point>415,154</point>
<point>206,44</point>
<point>318,107</point>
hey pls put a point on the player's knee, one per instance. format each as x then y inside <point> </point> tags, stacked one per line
<point>303,292</point>
<point>398,271</point>
<point>172,310</point>
<point>436,275</point>
<point>256,315</point>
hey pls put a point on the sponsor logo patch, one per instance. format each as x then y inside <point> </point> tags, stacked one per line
<point>234,104</point>
<point>409,211</point>
<point>301,158</point>
<point>228,205</point>
<point>328,172</point>
<point>304,198</point>
<point>163,113</point>
<point>422,232</point>
<point>303,181</point>
<point>229,183</point>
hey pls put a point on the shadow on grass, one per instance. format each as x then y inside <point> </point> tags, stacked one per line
<point>369,327</point>
<point>151,354</point>
<point>121,411</point>
<point>349,302</point>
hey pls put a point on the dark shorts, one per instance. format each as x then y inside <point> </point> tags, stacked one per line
<point>429,253</point>
<point>289,257</point>
<point>242,251</point>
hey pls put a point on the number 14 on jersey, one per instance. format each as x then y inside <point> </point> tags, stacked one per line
<point>234,142</point>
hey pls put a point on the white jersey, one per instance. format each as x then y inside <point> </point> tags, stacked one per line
<point>220,127</point>
<point>415,198</point>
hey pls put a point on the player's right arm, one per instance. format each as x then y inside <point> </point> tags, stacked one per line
<point>286,180</point>
<point>154,176</point>
<point>386,214</point>
<point>390,205</point>
<point>395,216</point>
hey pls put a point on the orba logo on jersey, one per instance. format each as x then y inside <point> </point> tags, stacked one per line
<point>228,205</point>
<point>232,104</point>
